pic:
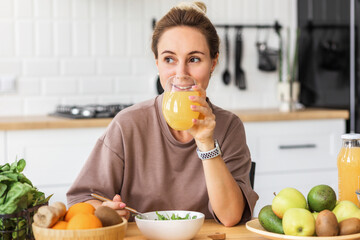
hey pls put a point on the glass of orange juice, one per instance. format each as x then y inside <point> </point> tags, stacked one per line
<point>176,103</point>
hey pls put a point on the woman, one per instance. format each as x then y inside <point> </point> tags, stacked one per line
<point>143,162</point>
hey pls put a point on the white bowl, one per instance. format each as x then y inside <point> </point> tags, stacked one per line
<point>170,229</point>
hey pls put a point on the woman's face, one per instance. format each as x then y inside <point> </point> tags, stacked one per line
<point>184,51</point>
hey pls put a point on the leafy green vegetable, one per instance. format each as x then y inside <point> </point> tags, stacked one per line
<point>174,217</point>
<point>17,193</point>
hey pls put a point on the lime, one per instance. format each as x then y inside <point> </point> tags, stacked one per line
<point>321,197</point>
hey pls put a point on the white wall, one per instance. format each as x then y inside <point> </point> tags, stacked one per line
<point>98,51</point>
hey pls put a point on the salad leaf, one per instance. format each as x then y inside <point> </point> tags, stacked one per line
<point>174,217</point>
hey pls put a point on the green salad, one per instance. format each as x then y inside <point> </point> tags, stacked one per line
<point>174,217</point>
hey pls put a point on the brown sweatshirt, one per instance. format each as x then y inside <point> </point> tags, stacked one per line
<point>138,158</point>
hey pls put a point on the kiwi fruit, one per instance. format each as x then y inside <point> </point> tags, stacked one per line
<point>349,226</point>
<point>107,216</point>
<point>326,224</point>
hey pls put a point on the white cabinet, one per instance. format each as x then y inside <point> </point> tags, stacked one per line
<point>299,154</point>
<point>2,147</point>
<point>54,157</point>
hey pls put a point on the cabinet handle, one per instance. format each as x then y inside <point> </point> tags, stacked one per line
<point>297,146</point>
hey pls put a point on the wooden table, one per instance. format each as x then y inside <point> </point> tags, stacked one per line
<point>210,227</point>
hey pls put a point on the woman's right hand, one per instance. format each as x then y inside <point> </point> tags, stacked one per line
<point>118,205</point>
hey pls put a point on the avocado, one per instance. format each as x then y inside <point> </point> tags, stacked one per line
<point>270,221</point>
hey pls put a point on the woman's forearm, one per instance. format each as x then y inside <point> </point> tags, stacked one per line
<point>225,196</point>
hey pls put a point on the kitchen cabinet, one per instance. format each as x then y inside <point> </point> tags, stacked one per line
<point>54,157</point>
<point>2,147</point>
<point>299,154</point>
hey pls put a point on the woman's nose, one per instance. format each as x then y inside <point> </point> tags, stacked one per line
<point>182,69</point>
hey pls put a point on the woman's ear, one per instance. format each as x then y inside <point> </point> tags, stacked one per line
<point>214,62</point>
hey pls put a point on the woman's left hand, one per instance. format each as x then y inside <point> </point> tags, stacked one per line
<point>203,128</point>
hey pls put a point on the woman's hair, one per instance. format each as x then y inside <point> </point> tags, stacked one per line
<point>192,14</point>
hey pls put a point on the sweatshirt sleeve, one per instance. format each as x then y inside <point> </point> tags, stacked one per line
<point>102,173</point>
<point>236,156</point>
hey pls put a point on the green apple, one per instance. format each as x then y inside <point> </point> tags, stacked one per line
<point>346,209</point>
<point>287,198</point>
<point>298,222</point>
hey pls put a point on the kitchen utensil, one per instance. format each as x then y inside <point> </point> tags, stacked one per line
<point>185,229</point>
<point>267,56</point>
<point>240,80</point>
<point>104,199</point>
<point>159,88</point>
<point>226,74</point>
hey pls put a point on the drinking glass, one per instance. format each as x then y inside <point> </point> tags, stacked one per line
<point>176,103</point>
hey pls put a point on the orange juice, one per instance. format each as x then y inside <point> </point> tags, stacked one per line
<point>348,163</point>
<point>177,111</point>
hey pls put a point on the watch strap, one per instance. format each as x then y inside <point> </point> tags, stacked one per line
<point>209,154</point>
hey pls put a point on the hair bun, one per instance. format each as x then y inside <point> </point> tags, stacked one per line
<point>198,6</point>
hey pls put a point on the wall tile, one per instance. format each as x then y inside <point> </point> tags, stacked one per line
<point>81,38</point>
<point>78,67</point>
<point>96,85</point>
<point>62,8</point>
<point>99,9</point>
<point>134,84</point>
<point>135,10</point>
<point>25,40</point>
<point>10,66</point>
<point>117,39</point>
<point>79,100</point>
<point>115,99</point>
<point>43,8</point>
<point>44,38</point>
<point>143,66</point>
<point>135,38</point>
<point>23,8</point>
<point>11,106</point>
<point>6,8</point>
<point>114,66</point>
<point>81,9</point>
<point>100,40</point>
<point>62,38</point>
<point>40,105</point>
<point>60,86</point>
<point>7,47</point>
<point>29,86</point>
<point>41,67</point>
<point>117,9</point>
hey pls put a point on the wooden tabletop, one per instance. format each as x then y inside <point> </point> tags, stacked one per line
<point>210,227</point>
<point>247,115</point>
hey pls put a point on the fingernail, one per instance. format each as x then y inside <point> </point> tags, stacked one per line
<point>122,205</point>
<point>192,106</point>
<point>191,97</point>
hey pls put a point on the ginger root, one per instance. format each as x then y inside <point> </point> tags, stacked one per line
<point>47,216</point>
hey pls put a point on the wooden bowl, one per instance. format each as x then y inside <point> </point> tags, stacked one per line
<point>114,232</point>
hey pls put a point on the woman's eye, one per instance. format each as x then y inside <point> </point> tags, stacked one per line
<point>169,60</point>
<point>194,59</point>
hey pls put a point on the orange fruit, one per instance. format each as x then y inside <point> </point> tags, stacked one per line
<point>77,208</point>
<point>84,221</point>
<point>60,225</point>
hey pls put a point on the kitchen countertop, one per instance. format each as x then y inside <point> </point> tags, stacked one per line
<point>210,227</point>
<point>246,115</point>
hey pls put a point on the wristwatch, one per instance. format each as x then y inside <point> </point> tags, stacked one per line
<point>209,154</point>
